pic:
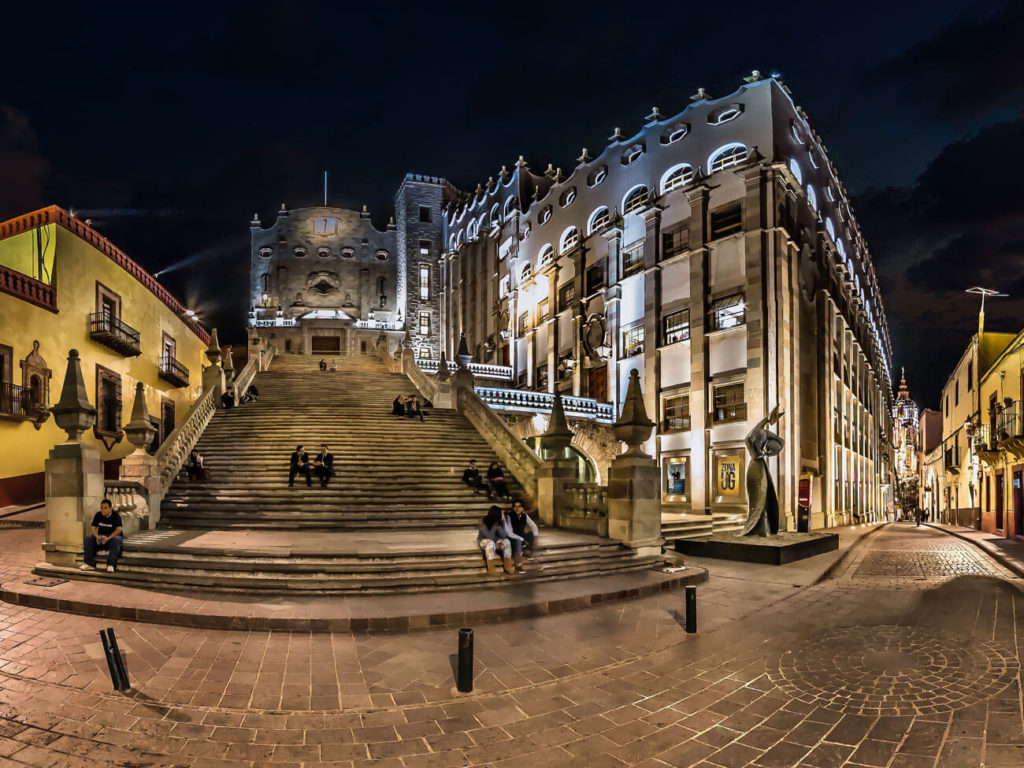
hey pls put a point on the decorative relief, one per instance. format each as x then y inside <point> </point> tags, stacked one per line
<point>321,285</point>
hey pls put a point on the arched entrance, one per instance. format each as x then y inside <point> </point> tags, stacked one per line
<point>585,471</point>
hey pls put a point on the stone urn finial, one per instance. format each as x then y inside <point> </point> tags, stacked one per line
<point>443,372</point>
<point>558,436</point>
<point>140,429</point>
<point>228,364</point>
<point>633,427</point>
<point>213,351</point>
<point>73,413</point>
<point>462,356</point>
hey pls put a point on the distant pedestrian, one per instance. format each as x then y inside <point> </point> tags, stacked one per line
<point>917,516</point>
<point>414,409</point>
<point>227,400</point>
<point>471,477</point>
<point>398,407</point>
<point>299,465</point>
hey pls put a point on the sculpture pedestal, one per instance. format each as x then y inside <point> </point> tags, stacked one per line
<point>553,500</point>
<point>74,489</point>
<point>770,550</point>
<point>634,504</point>
<point>444,397</point>
<point>213,378</point>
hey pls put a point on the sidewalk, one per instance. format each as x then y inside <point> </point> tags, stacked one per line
<point>1008,552</point>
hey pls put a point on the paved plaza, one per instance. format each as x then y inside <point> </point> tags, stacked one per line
<point>908,656</point>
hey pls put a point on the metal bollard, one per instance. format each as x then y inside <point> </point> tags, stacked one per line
<point>691,609</point>
<point>464,680</point>
<point>118,673</point>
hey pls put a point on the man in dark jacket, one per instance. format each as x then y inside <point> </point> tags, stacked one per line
<point>105,532</point>
<point>299,466</point>
<point>523,527</point>
<point>471,477</point>
<point>323,465</point>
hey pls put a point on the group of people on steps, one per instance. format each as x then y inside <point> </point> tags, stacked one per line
<point>322,466</point>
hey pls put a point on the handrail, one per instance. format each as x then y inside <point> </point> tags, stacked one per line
<point>423,383</point>
<point>536,402</point>
<point>28,289</point>
<point>480,370</point>
<point>589,499</point>
<point>104,322</point>
<point>245,377</point>
<point>522,462</point>
<point>176,447</point>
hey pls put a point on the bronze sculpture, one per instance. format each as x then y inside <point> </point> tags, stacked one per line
<point>762,501</point>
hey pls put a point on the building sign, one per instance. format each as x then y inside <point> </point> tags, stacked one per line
<point>728,475</point>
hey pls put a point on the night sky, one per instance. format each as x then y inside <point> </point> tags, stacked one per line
<point>170,128</point>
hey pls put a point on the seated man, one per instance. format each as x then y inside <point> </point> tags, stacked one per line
<point>251,395</point>
<point>323,465</point>
<point>523,527</point>
<point>104,533</point>
<point>323,364</point>
<point>299,465</point>
<point>227,400</point>
<point>471,477</point>
<point>194,466</point>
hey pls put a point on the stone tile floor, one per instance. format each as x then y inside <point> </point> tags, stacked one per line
<point>909,656</point>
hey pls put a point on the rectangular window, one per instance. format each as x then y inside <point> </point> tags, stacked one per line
<point>424,282</point>
<point>956,392</point>
<point>107,302</point>
<point>970,376</point>
<point>676,478</point>
<point>424,247</point>
<point>727,312</point>
<point>424,323</point>
<point>542,376</point>
<point>424,213</point>
<point>108,402</point>
<point>566,296</point>
<point>543,311</point>
<point>728,403</point>
<point>675,241</point>
<point>675,413</point>
<point>633,341</point>
<point>632,259</point>
<point>675,326</point>
<point>524,323</point>
<point>595,278</point>
<point>503,287</point>
<point>726,221</point>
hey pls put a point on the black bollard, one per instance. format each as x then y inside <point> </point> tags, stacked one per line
<point>118,673</point>
<point>691,609</point>
<point>464,681</point>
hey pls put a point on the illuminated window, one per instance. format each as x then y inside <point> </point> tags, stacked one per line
<point>726,220</point>
<point>567,197</point>
<point>675,241</point>
<point>424,247</point>
<point>424,281</point>
<point>676,177</point>
<point>633,259</point>
<point>725,114</point>
<point>794,168</point>
<point>325,225</point>
<point>677,476</point>
<point>547,255</point>
<point>635,200</point>
<point>597,176</point>
<point>543,310</point>
<point>675,326</point>
<point>727,312</point>
<point>526,272</point>
<point>728,403</point>
<point>812,197</point>
<point>424,323</point>
<point>524,323</point>
<point>570,239</point>
<point>633,341</point>
<point>675,410</point>
<point>545,215</point>
<point>566,296</point>
<point>830,228</point>
<point>598,220</point>
<point>726,156</point>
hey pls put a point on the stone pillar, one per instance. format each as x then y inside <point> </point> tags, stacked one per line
<point>74,472</point>
<point>213,374</point>
<point>634,501</point>
<point>463,376</point>
<point>444,397</point>
<point>139,466</point>
<point>553,501</point>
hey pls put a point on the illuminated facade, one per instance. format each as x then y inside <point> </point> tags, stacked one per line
<point>905,436</point>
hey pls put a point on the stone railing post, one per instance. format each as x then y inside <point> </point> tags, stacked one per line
<point>553,475</point>
<point>139,466</point>
<point>74,472</point>
<point>213,374</point>
<point>463,377</point>
<point>634,502</point>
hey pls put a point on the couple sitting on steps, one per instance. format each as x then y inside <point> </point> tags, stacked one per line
<point>494,483</point>
<point>512,535</point>
<point>322,466</point>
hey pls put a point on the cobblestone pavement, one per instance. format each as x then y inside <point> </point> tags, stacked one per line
<point>909,656</point>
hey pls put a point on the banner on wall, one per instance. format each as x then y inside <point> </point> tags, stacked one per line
<point>728,480</point>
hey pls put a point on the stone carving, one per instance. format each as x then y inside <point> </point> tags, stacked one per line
<point>140,429</point>
<point>320,285</point>
<point>35,378</point>
<point>762,500</point>
<point>633,427</point>
<point>74,413</point>
<point>593,336</point>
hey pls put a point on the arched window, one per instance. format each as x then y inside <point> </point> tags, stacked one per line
<point>567,197</point>
<point>494,214</point>
<point>794,168</point>
<point>675,133</point>
<point>545,215</point>
<point>812,158</point>
<point>547,254</point>
<point>726,156</point>
<point>570,239</point>
<point>598,220</point>
<point>451,244</point>
<point>840,248</point>
<point>675,177</point>
<point>812,197</point>
<point>471,231</point>
<point>481,223</point>
<point>526,272</point>
<point>830,228</point>
<point>725,114</point>
<point>634,200</point>
<point>597,176</point>
<point>511,204</point>
<point>458,239</point>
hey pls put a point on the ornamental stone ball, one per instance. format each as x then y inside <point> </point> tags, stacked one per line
<point>633,427</point>
<point>140,429</point>
<point>73,413</point>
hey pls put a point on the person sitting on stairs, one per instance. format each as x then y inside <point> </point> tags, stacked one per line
<point>194,466</point>
<point>323,364</point>
<point>323,465</point>
<point>299,465</point>
<point>105,532</point>
<point>496,480</point>
<point>471,477</point>
<point>413,409</point>
<point>494,536</point>
<point>521,525</point>
<point>398,407</point>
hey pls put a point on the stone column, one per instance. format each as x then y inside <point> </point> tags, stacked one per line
<point>74,472</point>
<point>634,501</point>
<point>463,376</point>
<point>553,501</point>
<point>444,397</point>
<point>139,466</point>
<point>213,374</point>
<point>700,395</point>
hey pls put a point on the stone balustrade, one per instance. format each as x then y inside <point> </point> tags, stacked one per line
<point>517,457</point>
<point>524,400</point>
<point>479,370</point>
<point>28,289</point>
<point>379,325</point>
<point>131,501</point>
<point>176,447</point>
<point>425,384</point>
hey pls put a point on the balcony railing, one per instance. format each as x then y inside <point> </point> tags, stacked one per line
<point>28,289</point>
<point>479,370</point>
<point>174,371</point>
<point>527,401</point>
<point>112,332</point>
<point>1008,422</point>
<point>18,403</point>
<point>382,325</point>
<point>588,499</point>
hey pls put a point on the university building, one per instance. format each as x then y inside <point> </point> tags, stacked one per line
<point>714,251</point>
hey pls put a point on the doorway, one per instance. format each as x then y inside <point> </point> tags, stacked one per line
<point>597,384</point>
<point>999,501</point>
<point>166,419</point>
<point>326,345</point>
<point>1018,503</point>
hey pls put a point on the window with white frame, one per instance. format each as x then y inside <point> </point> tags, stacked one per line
<point>632,259</point>
<point>675,412</point>
<point>424,323</point>
<point>812,157</point>
<point>503,286</point>
<point>567,197</point>
<point>597,176</point>
<point>635,200</point>
<point>494,215</point>
<point>633,341</point>
<point>424,281</point>
<point>511,204</point>
<point>726,156</point>
<point>830,228</point>
<point>812,197</point>
<point>675,133</point>
<point>727,312</point>
<point>545,215</point>
<point>676,177</point>
<point>725,114</point>
<point>794,168</point>
<point>547,255</point>
<point>526,272</point>
<point>632,154</point>
<point>570,239</point>
<point>543,310</point>
<point>598,220</point>
<point>675,326</point>
<point>728,403</point>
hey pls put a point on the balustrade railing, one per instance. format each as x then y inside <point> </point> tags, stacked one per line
<point>525,400</point>
<point>480,370</point>
<point>28,288</point>
<point>589,499</point>
<point>1008,422</point>
<point>379,325</point>
<point>173,370</point>
<point>18,402</point>
<point>426,385</point>
<point>176,447</point>
<point>522,462</point>
<point>243,379</point>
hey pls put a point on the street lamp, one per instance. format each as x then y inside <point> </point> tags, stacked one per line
<point>983,292</point>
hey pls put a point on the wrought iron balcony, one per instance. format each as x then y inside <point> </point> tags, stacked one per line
<point>20,404</point>
<point>173,371</point>
<point>112,332</point>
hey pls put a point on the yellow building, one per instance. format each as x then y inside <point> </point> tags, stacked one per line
<point>999,443</point>
<point>960,404</point>
<point>64,286</point>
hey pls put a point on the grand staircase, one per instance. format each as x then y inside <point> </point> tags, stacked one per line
<point>395,518</point>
